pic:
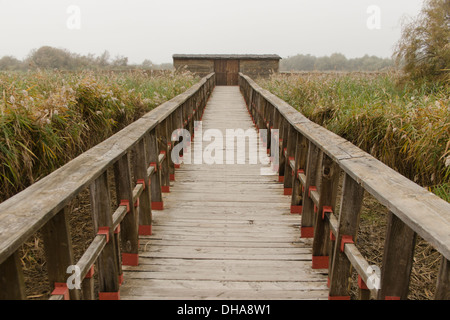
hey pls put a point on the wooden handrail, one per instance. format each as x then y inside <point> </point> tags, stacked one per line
<point>308,155</point>
<point>33,209</point>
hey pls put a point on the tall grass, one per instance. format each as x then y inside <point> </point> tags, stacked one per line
<point>48,118</point>
<point>408,127</point>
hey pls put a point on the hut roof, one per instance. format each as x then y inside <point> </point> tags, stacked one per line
<point>228,56</point>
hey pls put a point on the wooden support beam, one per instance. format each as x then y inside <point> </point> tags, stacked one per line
<point>108,261</point>
<point>443,281</point>
<point>153,153</point>
<point>348,223</point>
<point>307,228</point>
<point>11,279</point>
<point>397,260</point>
<point>58,250</point>
<point>283,133</point>
<point>301,148</point>
<point>140,164</point>
<point>129,232</point>
<point>289,175</point>
<point>327,200</point>
<point>163,139</point>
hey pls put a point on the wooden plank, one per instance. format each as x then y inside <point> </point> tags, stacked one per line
<point>218,244</point>
<point>140,165</point>
<point>58,250</point>
<point>157,284</point>
<point>397,259</point>
<point>191,250</point>
<point>286,265</point>
<point>185,274</point>
<point>153,153</point>
<point>328,194</point>
<point>443,281</point>
<point>108,261</point>
<point>348,223</point>
<point>362,267</point>
<point>91,255</point>
<point>289,174</point>
<point>308,204</point>
<point>12,279</point>
<point>224,223</point>
<point>184,294</point>
<point>129,233</point>
<point>86,262</point>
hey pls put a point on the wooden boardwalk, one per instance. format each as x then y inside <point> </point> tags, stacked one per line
<point>226,231</point>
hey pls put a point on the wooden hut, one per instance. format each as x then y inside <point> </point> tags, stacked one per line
<point>228,66</point>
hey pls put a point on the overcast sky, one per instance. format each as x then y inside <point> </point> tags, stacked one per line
<point>156,29</point>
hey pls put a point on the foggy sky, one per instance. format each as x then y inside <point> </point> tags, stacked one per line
<point>155,30</point>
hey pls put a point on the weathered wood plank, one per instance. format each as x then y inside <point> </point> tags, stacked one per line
<point>225,223</point>
<point>397,259</point>
<point>108,260</point>
<point>12,279</point>
<point>351,204</point>
<point>58,250</point>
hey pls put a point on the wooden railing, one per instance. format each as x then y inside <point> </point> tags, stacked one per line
<point>311,160</point>
<point>139,157</point>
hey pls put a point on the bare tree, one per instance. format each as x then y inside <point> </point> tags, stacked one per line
<point>423,52</point>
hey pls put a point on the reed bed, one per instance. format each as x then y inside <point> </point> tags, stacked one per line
<point>48,118</point>
<point>407,127</point>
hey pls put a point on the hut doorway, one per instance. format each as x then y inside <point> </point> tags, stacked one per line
<point>226,72</point>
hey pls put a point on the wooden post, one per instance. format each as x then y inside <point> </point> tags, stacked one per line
<point>88,286</point>
<point>177,125</point>
<point>284,126</point>
<point>255,109</point>
<point>443,281</point>
<point>153,153</point>
<point>276,126</point>
<point>108,272</point>
<point>11,279</point>
<point>397,260</point>
<point>140,164</point>
<point>327,202</point>
<point>129,230</point>
<point>251,103</point>
<point>307,228</point>
<point>190,124</point>
<point>289,175</point>
<point>270,125</point>
<point>170,127</point>
<point>58,251</point>
<point>349,216</point>
<point>161,131</point>
<point>300,165</point>
<point>261,106</point>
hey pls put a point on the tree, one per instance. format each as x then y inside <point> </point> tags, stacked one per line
<point>10,63</point>
<point>50,58</point>
<point>103,60</point>
<point>147,64</point>
<point>120,61</point>
<point>423,52</point>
